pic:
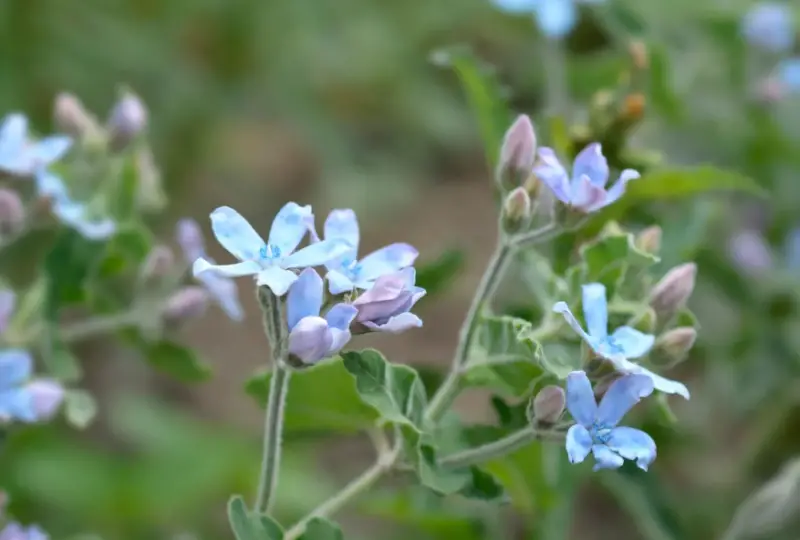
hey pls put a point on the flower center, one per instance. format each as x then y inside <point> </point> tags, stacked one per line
<point>600,433</point>
<point>268,252</point>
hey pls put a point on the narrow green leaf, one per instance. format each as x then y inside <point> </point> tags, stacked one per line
<point>80,408</point>
<point>179,361</point>
<point>321,398</point>
<point>322,529</point>
<point>395,391</point>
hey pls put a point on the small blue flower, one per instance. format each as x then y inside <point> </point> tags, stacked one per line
<point>347,273</point>
<point>792,249</point>
<point>585,191</point>
<point>21,156</point>
<point>269,261</point>
<point>385,307</point>
<point>789,74</point>
<point>556,18</point>
<point>769,25</point>
<point>222,289</point>
<point>311,337</point>
<point>72,213</point>
<point>624,343</point>
<point>20,398</point>
<point>15,531</point>
<point>596,430</point>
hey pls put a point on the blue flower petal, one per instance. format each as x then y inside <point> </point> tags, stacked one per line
<point>592,163</point>
<point>516,6</point>
<point>633,444</point>
<point>50,149</point>
<point>339,340</point>
<point>605,458</point>
<point>343,224</point>
<point>621,396</point>
<point>632,342</point>
<point>190,239</point>
<point>338,283</point>
<point>244,268</point>
<point>793,249</point>
<point>769,25</point>
<point>578,443</point>
<point>662,384</point>
<point>16,367</point>
<point>386,260</point>
<point>789,73</point>
<point>75,215</point>
<point>17,404</point>
<point>290,226</point>
<point>341,316</point>
<point>595,310</point>
<point>586,196</point>
<point>556,17</point>
<point>580,398</point>
<point>550,171</point>
<point>277,279</point>
<point>310,339</point>
<point>236,234</point>
<point>316,254</point>
<point>618,189</point>
<point>563,309</point>
<point>224,292</point>
<point>396,324</point>
<point>50,185</point>
<point>305,297</point>
<point>13,139</point>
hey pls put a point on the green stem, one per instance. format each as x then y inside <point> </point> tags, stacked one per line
<point>556,76</point>
<point>492,276</point>
<point>99,325</point>
<point>273,425</point>
<point>537,236</point>
<point>499,448</point>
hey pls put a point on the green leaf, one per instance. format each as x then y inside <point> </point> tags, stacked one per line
<point>610,257</point>
<point>321,398</point>
<point>61,364</point>
<point>179,361</point>
<point>125,251</point>
<point>444,481</point>
<point>394,391</point>
<point>483,486</point>
<point>67,266</point>
<point>80,408</point>
<point>662,93</point>
<point>248,525</point>
<point>436,275</point>
<point>504,358</point>
<point>322,529</point>
<point>484,95</point>
<point>122,205</point>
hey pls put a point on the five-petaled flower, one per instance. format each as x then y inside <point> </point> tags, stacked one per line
<point>222,289</point>
<point>586,190</point>
<point>270,262</point>
<point>346,272</point>
<point>312,337</point>
<point>769,25</point>
<point>624,343</point>
<point>556,18</point>
<point>385,307</point>
<point>596,428</point>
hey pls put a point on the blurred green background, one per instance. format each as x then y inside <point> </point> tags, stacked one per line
<point>337,103</point>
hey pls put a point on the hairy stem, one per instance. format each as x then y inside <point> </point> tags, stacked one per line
<point>99,325</point>
<point>501,447</point>
<point>275,330</point>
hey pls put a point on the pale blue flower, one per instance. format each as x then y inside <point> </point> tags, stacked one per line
<point>222,289</point>
<point>21,398</point>
<point>74,214</point>
<point>792,249</point>
<point>21,156</point>
<point>585,190</point>
<point>789,74</point>
<point>769,25</point>
<point>596,429</point>
<point>347,273</point>
<point>312,337</point>
<point>556,18</point>
<point>269,261</point>
<point>385,307</point>
<point>15,531</point>
<point>624,343</point>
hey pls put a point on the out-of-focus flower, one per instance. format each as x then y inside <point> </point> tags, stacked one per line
<point>750,252</point>
<point>20,155</point>
<point>597,430</point>
<point>74,214</point>
<point>556,18</point>
<point>21,398</point>
<point>345,272</point>
<point>385,307</point>
<point>586,190</point>
<point>15,531</point>
<point>70,116</point>
<point>312,337</point>
<point>12,212</point>
<point>222,289</point>
<point>769,25</point>
<point>186,303</point>
<point>127,120</point>
<point>624,343</point>
<point>270,262</point>
<point>8,301</point>
<point>792,249</point>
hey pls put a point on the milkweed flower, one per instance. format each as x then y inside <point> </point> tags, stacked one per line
<point>386,306</point>
<point>585,190</point>
<point>597,430</point>
<point>222,289</point>
<point>270,262</point>
<point>624,343</point>
<point>769,25</point>
<point>311,336</point>
<point>346,272</point>
<point>556,18</point>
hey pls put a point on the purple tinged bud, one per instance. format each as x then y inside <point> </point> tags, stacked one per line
<point>649,239</point>
<point>548,405</point>
<point>12,212</point>
<point>190,239</point>
<point>518,152</point>
<point>158,264</point>
<point>189,302</point>
<point>47,396</point>
<point>671,293</point>
<point>71,117</point>
<point>127,121</point>
<point>385,307</point>
<point>516,210</point>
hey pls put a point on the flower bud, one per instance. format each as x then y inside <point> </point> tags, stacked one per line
<point>649,240</point>
<point>158,264</point>
<point>72,118</point>
<point>671,293</point>
<point>672,347</point>
<point>638,54</point>
<point>188,303</point>
<point>12,212</point>
<point>47,397</point>
<point>644,321</point>
<point>516,210</point>
<point>517,153</point>
<point>633,108</point>
<point>548,405</point>
<point>127,121</point>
